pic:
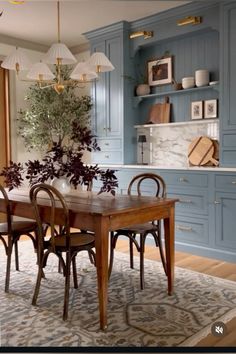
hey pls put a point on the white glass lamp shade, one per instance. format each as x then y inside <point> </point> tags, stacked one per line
<point>100,62</point>
<point>16,61</point>
<point>83,72</point>
<point>40,71</point>
<point>59,51</point>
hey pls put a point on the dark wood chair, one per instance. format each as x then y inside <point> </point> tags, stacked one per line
<point>137,186</point>
<point>64,242</point>
<point>10,233</point>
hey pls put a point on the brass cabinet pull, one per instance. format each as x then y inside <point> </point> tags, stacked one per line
<point>104,128</point>
<point>107,156</point>
<point>187,201</point>
<point>216,202</point>
<point>107,144</point>
<point>184,228</point>
<point>233,182</point>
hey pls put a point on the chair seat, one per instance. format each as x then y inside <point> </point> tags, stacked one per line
<point>77,239</point>
<point>20,227</point>
<point>139,228</point>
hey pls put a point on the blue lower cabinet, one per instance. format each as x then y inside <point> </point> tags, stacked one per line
<point>194,201</point>
<point>191,230</point>
<point>225,217</point>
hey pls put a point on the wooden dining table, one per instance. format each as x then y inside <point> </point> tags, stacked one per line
<point>101,214</point>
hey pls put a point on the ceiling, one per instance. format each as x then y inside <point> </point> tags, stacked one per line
<point>36,21</point>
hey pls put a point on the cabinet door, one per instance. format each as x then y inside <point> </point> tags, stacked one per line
<point>225,208</point>
<point>99,98</point>
<point>107,95</point>
<point>114,88</point>
<point>228,67</point>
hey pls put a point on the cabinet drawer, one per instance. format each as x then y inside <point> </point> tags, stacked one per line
<point>191,230</point>
<point>185,179</point>
<point>190,202</point>
<point>107,157</point>
<point>108,144</point>
<point>226,182</point>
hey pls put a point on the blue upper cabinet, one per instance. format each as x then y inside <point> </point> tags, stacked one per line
<point>228,78</point>
<point>110,96</point>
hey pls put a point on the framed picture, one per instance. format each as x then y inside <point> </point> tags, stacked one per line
<point>197,110</point>
<point>210,109</point>
<point>160,71</point>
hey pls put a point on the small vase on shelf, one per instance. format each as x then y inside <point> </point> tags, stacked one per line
<point>142,90</point>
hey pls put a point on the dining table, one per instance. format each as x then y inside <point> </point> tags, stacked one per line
<point>102,213</point>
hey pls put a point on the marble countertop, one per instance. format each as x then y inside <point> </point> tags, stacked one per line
<point>188,168</point>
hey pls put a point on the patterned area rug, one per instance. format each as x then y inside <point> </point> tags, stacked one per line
<point>148,318</point>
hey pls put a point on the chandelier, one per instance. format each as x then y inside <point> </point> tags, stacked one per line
<point>58,54</point>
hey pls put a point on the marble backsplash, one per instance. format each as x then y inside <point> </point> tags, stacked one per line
<point>167,144</point>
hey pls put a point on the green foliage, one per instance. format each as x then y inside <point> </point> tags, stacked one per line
<point>50,117</point>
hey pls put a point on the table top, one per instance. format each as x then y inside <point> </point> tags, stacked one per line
<point>92,203</point>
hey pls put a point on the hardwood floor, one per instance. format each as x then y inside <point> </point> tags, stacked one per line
<point>203,265</point>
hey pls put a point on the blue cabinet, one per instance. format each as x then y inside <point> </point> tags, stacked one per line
<point>205,216</point>
<point>228,92</point>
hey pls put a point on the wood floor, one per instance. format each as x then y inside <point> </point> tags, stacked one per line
<point>203,265</point>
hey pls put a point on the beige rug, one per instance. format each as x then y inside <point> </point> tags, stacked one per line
<point>148,318</point>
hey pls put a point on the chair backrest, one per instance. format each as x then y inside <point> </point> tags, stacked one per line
<point>54,199</point>
<point>137,184</point>
<point>7,210</point>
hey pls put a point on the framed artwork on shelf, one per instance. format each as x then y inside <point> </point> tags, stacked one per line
<point>196,110</point>
<point>160,71</point>
<point>210,109</point>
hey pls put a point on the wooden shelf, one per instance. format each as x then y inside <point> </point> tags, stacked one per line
<point>138,99</point>
<point>199,121</point>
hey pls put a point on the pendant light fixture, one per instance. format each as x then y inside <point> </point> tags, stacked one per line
<point>58,55</point>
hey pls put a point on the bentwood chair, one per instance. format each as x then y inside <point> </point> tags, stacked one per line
<point>63,242</point>
<point>10,233</point>
<point>137,186</point>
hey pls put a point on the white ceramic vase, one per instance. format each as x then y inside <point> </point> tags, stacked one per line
<point>142,90</point>
<point>202,78</point>
<point>61,184</point>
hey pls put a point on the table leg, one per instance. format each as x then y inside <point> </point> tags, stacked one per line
<point>169,229</point>
<point>101,245</point>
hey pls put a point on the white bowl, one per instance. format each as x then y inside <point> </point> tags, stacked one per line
<point>188,82</point>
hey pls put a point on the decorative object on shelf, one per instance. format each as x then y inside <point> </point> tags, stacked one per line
<point>201,78</point>
<point>188,82</point>
<point>197,110</point>
<point>190,20</point>
<point>58,54</point>
<point>160,112</point>
<point>210,108</point>
<point>177,85</point>
<point>160,71</point>
<point>142,139</point>
<point>145,34</point>
<point>201,150</point>
<point>142,90</point>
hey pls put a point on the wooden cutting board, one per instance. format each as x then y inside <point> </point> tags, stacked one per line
<point>201,151</point>
<point>160,112</point>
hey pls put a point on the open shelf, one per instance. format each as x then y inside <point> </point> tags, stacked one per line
<point>195,121</point>
<point>138,99</point>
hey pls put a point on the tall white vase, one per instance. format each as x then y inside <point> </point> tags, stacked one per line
<point>62,185</point>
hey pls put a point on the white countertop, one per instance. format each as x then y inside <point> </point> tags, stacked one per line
<point>188,168</point>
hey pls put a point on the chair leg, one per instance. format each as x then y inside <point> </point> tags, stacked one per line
<point>131,252</point>
<point>39,277</point>
<point>16,255</point>
<point>67,287</point>
<point>8,269</point>
<point>142,242</point>
<point>162,254</point>
<point>74,272</point>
